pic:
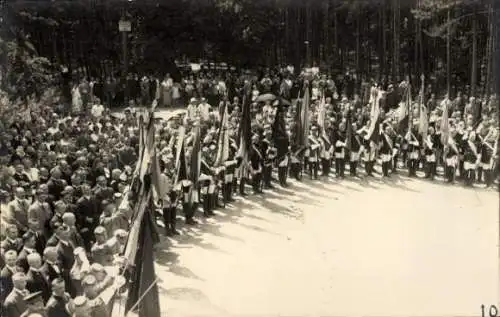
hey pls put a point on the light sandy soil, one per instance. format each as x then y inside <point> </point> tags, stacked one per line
<point>402,247</point>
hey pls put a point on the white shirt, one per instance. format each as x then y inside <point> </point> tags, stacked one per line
<point>192,111</point>
<point>32,174</point>
<point>97,110</point>
<point>204,109</point>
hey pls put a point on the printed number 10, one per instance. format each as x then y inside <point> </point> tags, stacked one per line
<point>492,312</point>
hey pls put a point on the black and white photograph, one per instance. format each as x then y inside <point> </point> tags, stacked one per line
<point>249,158</point>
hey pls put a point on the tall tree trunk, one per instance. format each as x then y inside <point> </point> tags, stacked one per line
<point>448,52</point>
<point>335,32</point>
<point>381,54</point>
<point>287,34</point>
<point>417,70</point>
<point>395,57</point>
<point>473,79</point>
<point>489,56</point>
<point>358,43</point>
<point>309,45</point>
<point>326,31</point>
<point>422,65</point>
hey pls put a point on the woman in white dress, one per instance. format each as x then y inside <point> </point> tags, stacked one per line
<point>166,90</point>
<point>176,94</point>
<point>76,100</point>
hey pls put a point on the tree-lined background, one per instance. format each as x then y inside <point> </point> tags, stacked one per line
<point>451,41</point>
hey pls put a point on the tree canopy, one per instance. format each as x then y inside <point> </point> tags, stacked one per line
<point>384,39</point>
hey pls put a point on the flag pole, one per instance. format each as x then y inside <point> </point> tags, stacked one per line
<point>142,296</point>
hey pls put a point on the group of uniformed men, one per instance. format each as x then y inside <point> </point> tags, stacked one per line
<point>470,151</point>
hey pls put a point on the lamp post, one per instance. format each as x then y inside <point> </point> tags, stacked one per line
<point>308,57</point>
<point>124,26</point>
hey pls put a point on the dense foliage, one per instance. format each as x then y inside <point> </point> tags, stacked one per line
<point>381,39</point>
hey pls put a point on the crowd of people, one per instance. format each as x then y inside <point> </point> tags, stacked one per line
<point>66,210</point>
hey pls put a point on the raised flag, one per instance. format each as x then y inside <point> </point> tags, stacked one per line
<point>349,131</point>
<point>245,133</point>
<point>303,120</point>
<point>280,135</point>
<point>404,112</point>
<point>322,120</point>
<point>373,132</point>
<point>194,171</point>
<point>423,122</point>
<point>223,139</point>
<point>445,125</point>
<point>143,292</point>
<point>180,158</point>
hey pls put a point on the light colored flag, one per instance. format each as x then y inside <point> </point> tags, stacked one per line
<point>423,124</point>
<point>223,140</point>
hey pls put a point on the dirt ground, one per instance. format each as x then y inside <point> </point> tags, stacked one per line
<point>403,247</point>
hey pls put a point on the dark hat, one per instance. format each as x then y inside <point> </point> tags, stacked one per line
<point>33,297</point>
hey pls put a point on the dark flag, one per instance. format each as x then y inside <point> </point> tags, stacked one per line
<point>349,132</point>
<point>245,133</point>
<point>143,289</point>
<point>280,136</point>
<point>223,139</point>
<point>195,155</point>
<point>180,158</point>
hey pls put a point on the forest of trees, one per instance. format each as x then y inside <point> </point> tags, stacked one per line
<point>452,42</point>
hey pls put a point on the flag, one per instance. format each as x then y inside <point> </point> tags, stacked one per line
<point>245,134</point>
<point>477,108</point>
<point>223,139</point>
<point>141,145</point>
<point>280,136</point>
<point>149,148</point>
<point>373,133</point>
<point>195,155</point>
<point>404,113</point>
<point>423,124</point>
<point>143,290</point>
<point>180,158</point>
<point>445,125</point>
<point>349,131</point>
<point>322,119</point>
<point>302,135</point>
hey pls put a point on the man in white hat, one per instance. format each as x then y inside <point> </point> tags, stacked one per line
<point>204,109</point>
<point>192,109</point>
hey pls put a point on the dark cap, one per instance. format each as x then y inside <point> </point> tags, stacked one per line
<point>33,297</point>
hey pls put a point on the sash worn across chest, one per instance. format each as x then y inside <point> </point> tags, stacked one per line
<point>257,151</point>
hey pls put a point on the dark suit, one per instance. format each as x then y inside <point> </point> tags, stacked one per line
<point>52,241</point>
<point>6,284</point>
<point>14,304</point>
<point>22,261</point>
<point>56,306</point>
<point>40,242</point>
<point>16,245</point>
<point>56,186</point>
<point>37,282</point>
<point>87,208</point>
<point>50,271</point>
<point>66,256</point>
